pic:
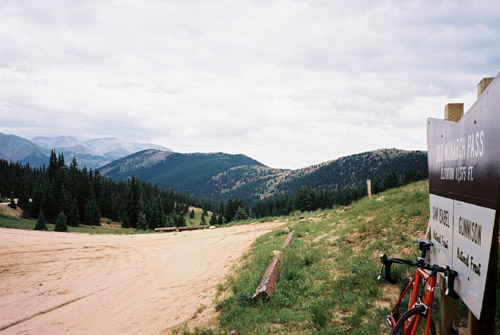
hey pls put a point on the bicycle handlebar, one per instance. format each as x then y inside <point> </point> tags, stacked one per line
<point>449,274</point>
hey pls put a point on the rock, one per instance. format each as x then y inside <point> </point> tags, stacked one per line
<point>234,332</point>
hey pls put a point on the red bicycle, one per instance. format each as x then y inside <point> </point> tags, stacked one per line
<point>413,306</point>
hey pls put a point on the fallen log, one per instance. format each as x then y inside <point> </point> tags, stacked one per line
<point>266,286</point>
<point>180,228</point>
<point>288,239</point>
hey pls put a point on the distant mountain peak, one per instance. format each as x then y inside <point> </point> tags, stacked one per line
<point>92,153</point>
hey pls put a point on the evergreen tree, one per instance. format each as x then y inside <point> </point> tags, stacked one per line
<point>49,203</point>
<point>24,202</point>
<point>73,215</point>
<point>135,204</point>
<point>61,223</point>
<point>91,215</point>
<point>53,166</point>
<point>180,221</point>
<point>377,186</point>
<point>230,210</point>
<point>191,214</point>
<point>155,216</point>
<point>240,214</point>
<point>142,223</point>
<point>222,209</point>
<point>391,180</point>
<point>41,223</point>
<point>170,221</point>
<point>213,219</point>
<point>36,202</point>
<point>203,221</point>
<point>220,220</point>
<point>125,222</point>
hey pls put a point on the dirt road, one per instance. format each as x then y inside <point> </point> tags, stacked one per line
<point>61,283</point>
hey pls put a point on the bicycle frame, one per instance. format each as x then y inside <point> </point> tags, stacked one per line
<point>426,300</point>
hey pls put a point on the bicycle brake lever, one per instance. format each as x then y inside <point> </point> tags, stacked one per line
<point>381,270</point>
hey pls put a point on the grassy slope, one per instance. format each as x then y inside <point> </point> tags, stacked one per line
<point>328,276</point>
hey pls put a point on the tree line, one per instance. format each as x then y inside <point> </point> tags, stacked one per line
<point>308,199</point>
<point>70,196</point>
<point>84,196</point>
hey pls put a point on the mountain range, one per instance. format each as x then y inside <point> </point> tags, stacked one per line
<point>92,153</point>
<point>219,176</point>
<point>216,176</point>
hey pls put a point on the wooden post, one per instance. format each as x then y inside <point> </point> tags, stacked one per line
<point>369,189</point>
<point>483,84</point>
<point>454,111</point>
<point>487,323</point>
<point>448,308</point>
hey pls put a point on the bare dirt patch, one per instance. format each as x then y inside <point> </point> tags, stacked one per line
<point>7,210</point>
<point>55,283</point>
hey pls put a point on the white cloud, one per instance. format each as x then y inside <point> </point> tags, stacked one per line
<point>290,83</point>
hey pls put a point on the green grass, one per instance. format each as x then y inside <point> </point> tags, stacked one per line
<point>12,222</point>
<point>327,282</point>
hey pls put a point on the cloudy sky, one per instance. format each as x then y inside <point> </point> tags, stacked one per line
<point>289,83</point>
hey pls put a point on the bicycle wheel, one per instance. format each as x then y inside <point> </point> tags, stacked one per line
<point>417,318</point>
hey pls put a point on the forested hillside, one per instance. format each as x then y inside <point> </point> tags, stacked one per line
<point>185,173</point>
<point>84,197</point>
<point>351,171</point>
<point>221,176</point>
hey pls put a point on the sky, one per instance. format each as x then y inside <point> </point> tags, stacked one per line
<point>289,83</point>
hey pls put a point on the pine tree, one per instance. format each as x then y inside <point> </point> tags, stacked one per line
<point>61,223</point>
<point>240,214</point>
<point>73,215</point>
<point>142,222</point>
<point>170,221</point>
<point>220,220</point>
<point>191,214</point>
<point>180,221</point>
<point>155,216</point>
<point>135,204</point>
<point>213,219</point>
<point>36,202</point>
<point>91,215</point>
<point>230,210</point>
<point>203,221</point>
<point>41,223</point>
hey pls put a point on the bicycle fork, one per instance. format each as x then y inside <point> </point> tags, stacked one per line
<point>426,301</point>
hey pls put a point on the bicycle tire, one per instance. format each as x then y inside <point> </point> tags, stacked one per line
<point>409,317</point>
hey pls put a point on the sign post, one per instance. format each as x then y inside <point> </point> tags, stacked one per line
<point>464,185</point>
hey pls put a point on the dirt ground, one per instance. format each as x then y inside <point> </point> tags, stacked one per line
<point>61,283</point>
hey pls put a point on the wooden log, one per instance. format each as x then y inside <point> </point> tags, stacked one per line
<point>179,228</point>
<point>288,239</point>
<point>166,229</point>
<point>266,286</point>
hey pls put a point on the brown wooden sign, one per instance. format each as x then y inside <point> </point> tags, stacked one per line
<point>464,187</point>
<point>464,156</point>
